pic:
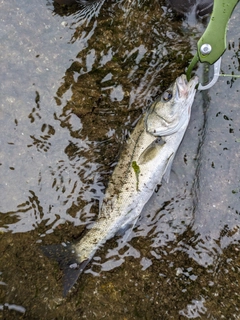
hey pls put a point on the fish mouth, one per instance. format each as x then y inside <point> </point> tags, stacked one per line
<point>185,88</point>
<point>184,92</point>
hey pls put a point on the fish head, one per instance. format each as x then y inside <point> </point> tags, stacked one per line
<point>167,115</point>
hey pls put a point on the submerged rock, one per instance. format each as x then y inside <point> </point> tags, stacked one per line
<point>184,7</point>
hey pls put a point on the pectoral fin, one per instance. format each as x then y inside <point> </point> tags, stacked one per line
<point>151,151</point>
<point>167,171</point>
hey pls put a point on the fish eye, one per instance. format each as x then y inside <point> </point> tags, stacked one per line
<point>167,95</point>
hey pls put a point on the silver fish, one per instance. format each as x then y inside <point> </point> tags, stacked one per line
<point>145,161</point>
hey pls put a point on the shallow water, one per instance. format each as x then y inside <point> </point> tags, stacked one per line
<point>71,91</point>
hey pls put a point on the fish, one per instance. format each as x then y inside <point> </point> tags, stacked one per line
<point>145,161</point>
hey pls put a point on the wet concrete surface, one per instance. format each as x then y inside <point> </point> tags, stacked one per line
<point>71,91</point>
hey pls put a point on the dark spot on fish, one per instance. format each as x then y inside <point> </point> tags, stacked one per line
<point>157,188</point>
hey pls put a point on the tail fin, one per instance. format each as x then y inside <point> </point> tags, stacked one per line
<point>68,261</point>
